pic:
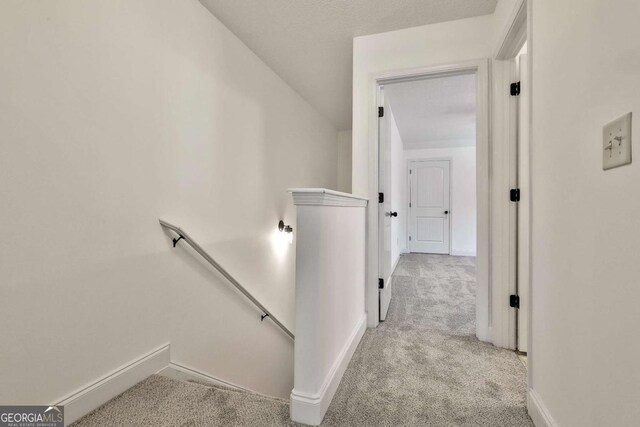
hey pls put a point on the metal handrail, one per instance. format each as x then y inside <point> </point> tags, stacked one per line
<point>184,236</point>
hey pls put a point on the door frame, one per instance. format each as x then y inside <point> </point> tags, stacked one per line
<point>479,67</point>
<point>518,30</point>
<point>434,159</point>
<point>382,139</point>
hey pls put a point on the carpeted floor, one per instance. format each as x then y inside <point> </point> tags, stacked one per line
<point>421,367</point>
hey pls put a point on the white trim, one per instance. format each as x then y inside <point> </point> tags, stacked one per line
<point>384,178</point>
<point>180,372</point>
<point>538,411</point>
<point>519,25</point>
<point>325,197</point>
<point>530,361</point>
<point>503,262</point>
<point>309,408</point>
<point>95,394</point>
<point>481,68</point>
<point>514,35</point>
<point>456,252</point>
<point>395,264</point>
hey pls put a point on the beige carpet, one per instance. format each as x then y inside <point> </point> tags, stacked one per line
<point>422,367</point>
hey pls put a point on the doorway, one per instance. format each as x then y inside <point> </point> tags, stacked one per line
<point>431,159</point>
<point>495,261</point>
<point>523,204</point>
<point>511,110</point>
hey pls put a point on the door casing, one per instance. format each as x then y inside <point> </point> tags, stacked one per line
<point>481,70</point>
<point>385,269</point>
<point>510,41</point>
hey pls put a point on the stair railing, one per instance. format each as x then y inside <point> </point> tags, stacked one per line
<point>182,235</point>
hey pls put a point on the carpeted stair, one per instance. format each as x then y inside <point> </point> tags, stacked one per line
<point>161,401</point>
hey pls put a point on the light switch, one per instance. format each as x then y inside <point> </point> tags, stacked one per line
<point>616,143</point>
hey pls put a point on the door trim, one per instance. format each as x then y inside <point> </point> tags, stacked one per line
<point>481,68</point>
<point>433,159</point>
<point>384,293</point>
<point>519,24</point>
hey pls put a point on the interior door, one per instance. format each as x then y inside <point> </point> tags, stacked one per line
<point>523,207</point>
<point>429,208</point>
<point>384,209</point>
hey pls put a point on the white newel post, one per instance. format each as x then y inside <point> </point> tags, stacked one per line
<point>330,309</point>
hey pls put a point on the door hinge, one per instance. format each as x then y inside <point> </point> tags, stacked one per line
<point>380,197</point>
<point>409,238</point>
<point>409,204</point>
<point>380,283</point>
<point>409,171</point>
<point>380,111</point>
<point>514,194</point>
<point>514,301</point>
<point>515,89</point>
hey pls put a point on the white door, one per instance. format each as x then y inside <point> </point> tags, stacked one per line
<point>523,207</point>
<point>384,208</point>
<point>429,209</point>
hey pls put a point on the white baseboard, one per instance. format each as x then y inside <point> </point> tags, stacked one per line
<point>462,252</point>
<point>395,264</point>
<point>88,398</point>
<point>181,372</point>
<point>310,408</point>
<point>538,411</point>
<point>484,334</point>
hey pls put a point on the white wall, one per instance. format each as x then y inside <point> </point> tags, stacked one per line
<point>429,45</point>
<point>330,316</point>
<point>344,161</point>
<point>586,221</point>
<point>463,193</point>
<point>398,190</point>
<point>114,114</point>
<point>375,55</point>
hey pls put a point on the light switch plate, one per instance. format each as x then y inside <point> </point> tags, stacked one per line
<point>616,143</point>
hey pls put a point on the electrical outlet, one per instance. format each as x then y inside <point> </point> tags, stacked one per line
<point>616,143</point>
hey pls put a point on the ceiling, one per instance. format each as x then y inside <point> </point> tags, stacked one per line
<point>309,43</point>
<point>435,113</point>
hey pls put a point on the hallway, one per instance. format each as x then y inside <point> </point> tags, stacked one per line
<point>421,367</point>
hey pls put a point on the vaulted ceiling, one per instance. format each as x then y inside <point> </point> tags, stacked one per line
<point>309,43</point>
